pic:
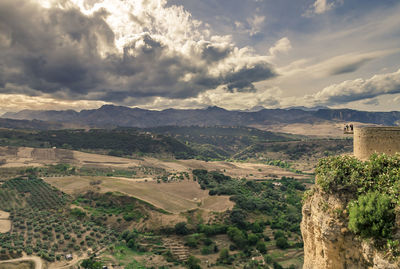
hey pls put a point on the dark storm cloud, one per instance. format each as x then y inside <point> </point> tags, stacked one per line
<point>241,86</point>
<point>212,53</point>
<point>52,49</point>
<point>65,53</point>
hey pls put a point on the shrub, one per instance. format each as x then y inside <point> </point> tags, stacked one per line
<point>237,237</point>
<point>224,257</point>
<point>206,250</point>
<point>372,215</point>
<point>238,217</point>
<point>91,264</point>
<point>278,234</point>
<point>261,247</point>
<point>193,263</point>
<point>380,173</point>
<point>282,243</point>
<point>277,266</point>
<point>78,213</point>
<point>338,173</point>
<point>207,241</point>
<point>191,241</point>
<point>252,239</point>
<point>181,229</point>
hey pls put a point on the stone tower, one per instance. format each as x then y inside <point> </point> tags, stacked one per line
<point>368,140</point>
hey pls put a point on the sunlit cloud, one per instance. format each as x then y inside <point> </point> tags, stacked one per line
<point>114,51</point>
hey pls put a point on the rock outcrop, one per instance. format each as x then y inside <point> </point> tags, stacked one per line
<point>327,241</point>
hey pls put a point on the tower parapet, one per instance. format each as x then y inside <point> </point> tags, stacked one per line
<point>368,140</point>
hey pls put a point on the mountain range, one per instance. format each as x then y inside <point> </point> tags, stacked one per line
<point>112,116</point>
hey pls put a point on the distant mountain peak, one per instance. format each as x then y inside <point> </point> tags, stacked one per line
<point>215,108</point>
<point>253,109</point>
<point>112,107</point>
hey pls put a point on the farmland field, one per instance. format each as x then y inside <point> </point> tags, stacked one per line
<point>91,194</point>
<point>173,197</point>
<point>17,265</point>
<point>28,157</point>
<point>5,223</point>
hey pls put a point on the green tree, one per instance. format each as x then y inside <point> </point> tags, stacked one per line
<point>131,243</point>
<point>252,239</point>
<point>224,257</point>
<point>91,264</point>
<point>282,243</point>
<point>181,229</point>
<point>237,236</point>
<point>372,215</point>
<point>261,247</point>
<point>193,263</point>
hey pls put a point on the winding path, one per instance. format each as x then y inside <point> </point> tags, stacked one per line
<point>36,260</point>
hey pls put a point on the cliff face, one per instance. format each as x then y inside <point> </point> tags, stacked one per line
<point>327,241</point>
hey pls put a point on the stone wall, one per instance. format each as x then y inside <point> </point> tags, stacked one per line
<point>368,140</point>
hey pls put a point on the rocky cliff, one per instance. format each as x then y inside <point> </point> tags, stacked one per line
<point>327,241</point>
<point>351,217</point>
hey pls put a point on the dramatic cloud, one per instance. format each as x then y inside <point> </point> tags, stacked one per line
<point>117,51</point>
<point>359,89</point>
<point>190,54</point>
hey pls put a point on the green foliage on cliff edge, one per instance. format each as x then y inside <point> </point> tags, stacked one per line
<point>374,185</point>
<point>372,215</point>
<point>346,173</point>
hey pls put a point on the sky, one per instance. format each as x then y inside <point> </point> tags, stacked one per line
<point>235,54</point>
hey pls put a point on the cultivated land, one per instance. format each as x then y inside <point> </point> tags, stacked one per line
<point>28,157</point>
<point>98,205</point>
<point>26,262</point>
<point>174,197</point>
<point>5,223</point>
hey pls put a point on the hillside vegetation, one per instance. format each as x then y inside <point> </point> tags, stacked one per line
<point>119,142</point>
<point>374,186</point>
<point>46,222</point>
<point>221,142</point>
<point>360,201</point>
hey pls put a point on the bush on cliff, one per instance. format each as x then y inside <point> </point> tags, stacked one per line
<point>372,215</point>
<point>338,173</point>
<point>346,173</point>
<point>374,186</point>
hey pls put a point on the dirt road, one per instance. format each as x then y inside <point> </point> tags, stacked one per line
<point>38,261</point>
